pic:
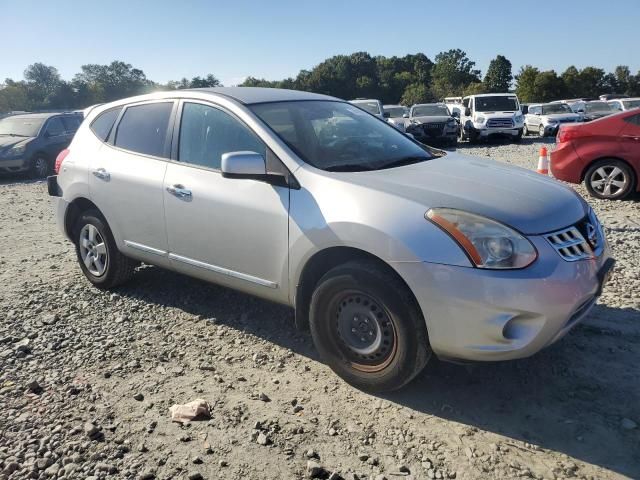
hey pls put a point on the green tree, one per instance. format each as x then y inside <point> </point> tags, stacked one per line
<point>114,81</point>
<point>452,73</point>
<point>475,88</point>
<point>417,93</point>
<point>572,82</point>
<point>548,87</point>
<point>525,83</point>
<point>592,81</point>
<point>499,77</point>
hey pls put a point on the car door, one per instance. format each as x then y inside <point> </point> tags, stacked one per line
<point>229,231</point>
<point>55,137</point>
<point>630,140</point>
<point>125,178</point>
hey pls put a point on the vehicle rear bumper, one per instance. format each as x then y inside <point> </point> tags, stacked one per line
<point>565,163</point>
<point>60,206</point>
<point>487,315</point>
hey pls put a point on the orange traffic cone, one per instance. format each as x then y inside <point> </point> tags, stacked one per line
<point>543,162</point>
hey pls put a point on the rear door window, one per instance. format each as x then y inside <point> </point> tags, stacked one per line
<point>143,129</point>
<point>103,123</point>
<point>71,123</point>
<point>55,127</point>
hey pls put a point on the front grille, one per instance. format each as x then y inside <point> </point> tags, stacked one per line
<point>500,123</point>
<point>568,120</point>
<point>433,126</point>
<point>581,241</point>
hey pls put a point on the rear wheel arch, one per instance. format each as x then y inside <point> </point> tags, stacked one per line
<point>76,208</point>
<point>323,261</point>
<point>618,159</point>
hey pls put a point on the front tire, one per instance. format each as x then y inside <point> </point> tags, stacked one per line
<point>541,131</point>
<point>97,253</point>
<point>368,328</point>
<point>609,179</point>
<point>40,167</point>
<point>525,130</point>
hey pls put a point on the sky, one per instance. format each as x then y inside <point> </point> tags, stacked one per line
<point>275,39</point>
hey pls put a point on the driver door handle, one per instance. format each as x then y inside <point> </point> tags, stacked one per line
<point>179,191</point>
<point>102,174</point>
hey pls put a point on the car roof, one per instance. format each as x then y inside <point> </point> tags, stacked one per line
<point>423,104</point>
<point>394,106</point>
<point>357,100</point>
<point>251,95</point>
<point>40,115</point>
<point>492,95</point>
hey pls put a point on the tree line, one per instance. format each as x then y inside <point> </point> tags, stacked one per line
<point>410,79</point>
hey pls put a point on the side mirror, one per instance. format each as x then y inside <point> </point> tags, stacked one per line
<point>581,110</point>
<point>467,112</point>
<point>455,114</point>
<point>244,165</point>
<point>538,114</point>
<point>386,115</point>
<point>252,166</point>
<point>405,115</point>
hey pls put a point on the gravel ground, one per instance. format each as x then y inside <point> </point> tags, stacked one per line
<point>87,378</point>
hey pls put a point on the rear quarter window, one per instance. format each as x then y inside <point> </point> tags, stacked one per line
<point>103,123</point>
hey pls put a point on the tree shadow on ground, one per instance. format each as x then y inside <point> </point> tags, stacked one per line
<point>569,398</point>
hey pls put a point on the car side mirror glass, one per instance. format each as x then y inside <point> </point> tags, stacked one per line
<point>386,115</point>
<point>467,112</point>
<point>244,165</point>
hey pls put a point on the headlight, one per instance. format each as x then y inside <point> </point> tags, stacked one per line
<point>17,150</point>
<point>519,119</point>
<point>479,119</point>
<point>552,122</point>
<point>487,243</point>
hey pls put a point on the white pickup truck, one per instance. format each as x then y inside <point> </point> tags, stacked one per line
<point>490,114</point>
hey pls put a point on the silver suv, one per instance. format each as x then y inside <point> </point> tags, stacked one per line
<point>388,250</point>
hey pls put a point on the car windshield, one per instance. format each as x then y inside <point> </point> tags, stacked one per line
<point>395,112</point>
<point>496,104</point>
<point>337,136</point>
<point>430,110</point>
<point>371,107</point>
<point>20,126</point>
<point>629,104</point>
<point>553,108</point>
<point>597,107</point>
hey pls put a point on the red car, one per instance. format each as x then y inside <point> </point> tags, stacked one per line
<point>605,154</point>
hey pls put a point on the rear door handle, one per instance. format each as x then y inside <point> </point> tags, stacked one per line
<point>102,174</point>
<point>179,191</point>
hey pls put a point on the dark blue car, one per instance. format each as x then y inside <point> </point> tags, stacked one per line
<point>31,142</point>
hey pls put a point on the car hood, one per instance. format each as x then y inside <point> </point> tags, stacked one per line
<point>520,198</point>
<point>8,141</point>
<point>562,116</point>
<point>432,119</point>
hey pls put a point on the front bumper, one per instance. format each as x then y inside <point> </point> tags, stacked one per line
<point>486,315</point>
<point>13,164</point>
<point>486,132</point>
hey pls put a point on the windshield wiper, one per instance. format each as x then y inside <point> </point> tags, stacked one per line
<point>404,161</point>
<point>348,167</point>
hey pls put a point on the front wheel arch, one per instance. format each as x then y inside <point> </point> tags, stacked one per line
<point>323,261</point>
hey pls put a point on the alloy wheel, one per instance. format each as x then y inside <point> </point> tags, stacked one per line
<point>541,130</point>
<point>41,167</point>
<point>609,181</point>
<point>93,250</point>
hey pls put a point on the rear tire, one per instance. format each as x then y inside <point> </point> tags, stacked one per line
<point>609,179</point>
<point>525,130</point>
<point>368,328</point>
<point>97,252</point>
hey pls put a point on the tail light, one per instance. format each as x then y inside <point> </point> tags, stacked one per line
<point>567,133</point>
<point>59,159</point>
